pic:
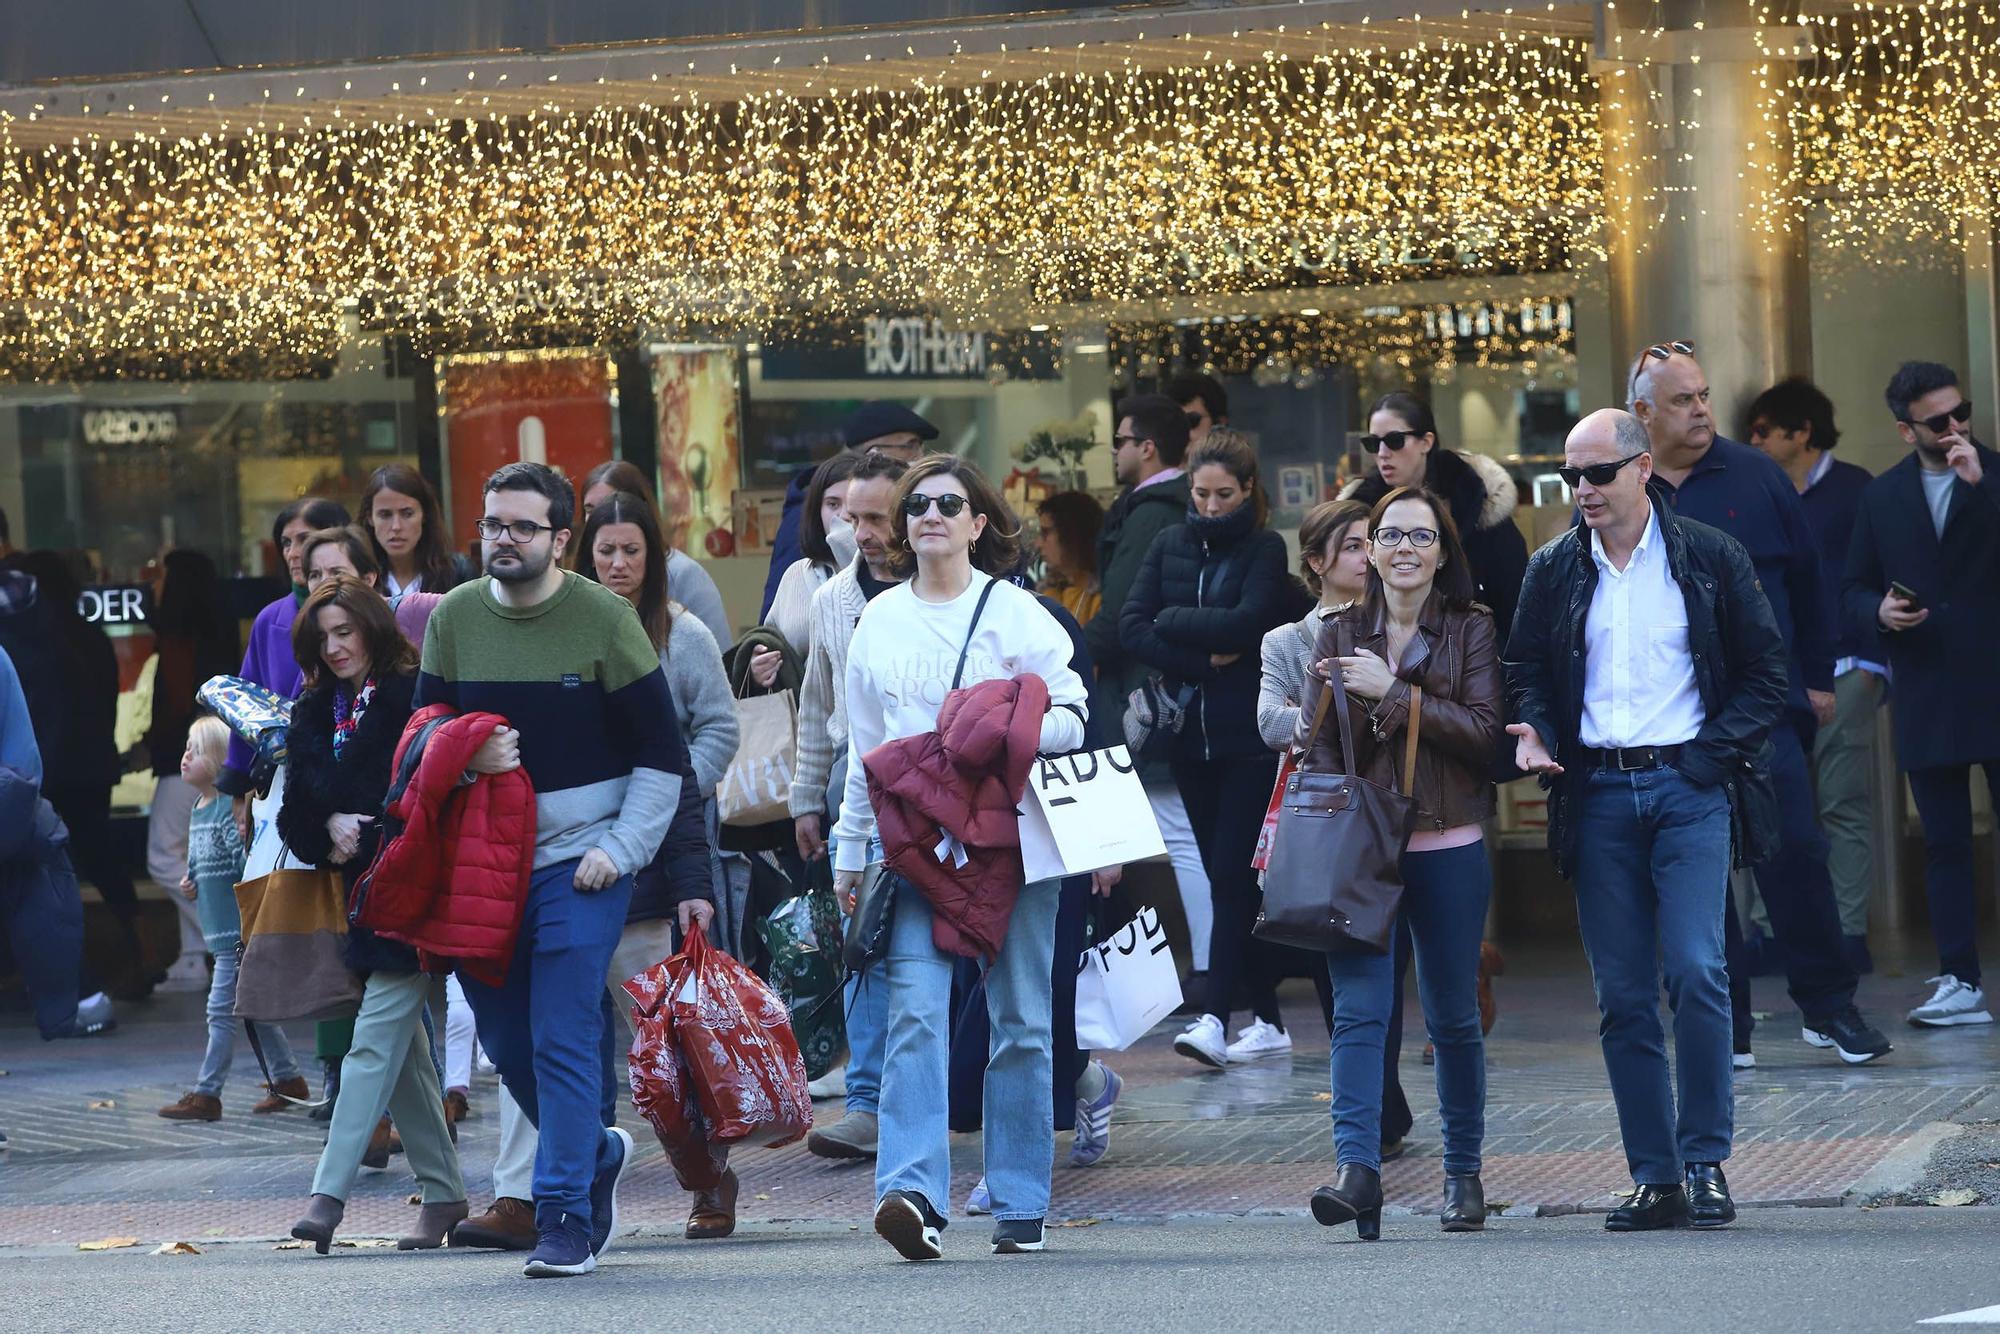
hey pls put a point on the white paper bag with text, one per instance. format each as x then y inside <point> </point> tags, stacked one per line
<point>1084,812</point>
<point>1125,984</point>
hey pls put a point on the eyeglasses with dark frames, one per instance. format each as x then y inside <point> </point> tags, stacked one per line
<point>523,531</point>
<point>1390,440</point>
<point>949,505</point>
<point>1597,474</point>
<point>1393,537</point>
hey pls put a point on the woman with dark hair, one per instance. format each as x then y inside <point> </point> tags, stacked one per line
<point>405,526</point>
<point>956,625</point>
<point>1197,614</point>
<point>1402,435</point>
<point>360,674</point>
<point>1067,526</point>
<point>351,551</point>
<point>687,582</point>
<point>1417,626</point>
<point>827,540</point>
<point>194,638</point>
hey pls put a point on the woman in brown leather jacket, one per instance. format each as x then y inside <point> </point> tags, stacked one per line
<point>1417,623</point>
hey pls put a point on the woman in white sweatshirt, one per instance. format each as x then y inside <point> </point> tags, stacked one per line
<point>951,524</point>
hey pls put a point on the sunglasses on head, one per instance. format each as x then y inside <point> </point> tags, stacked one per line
<point>1666,351</point>
<point>949,505</point>
<point>1941,423</point>
<point>1597,474</point>
<point>1390,440</point>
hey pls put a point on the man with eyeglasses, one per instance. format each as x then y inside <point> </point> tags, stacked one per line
<point>1924,569</point>
<point>1740,490</point>
<point>591,720</point>
<point>1646,670</point>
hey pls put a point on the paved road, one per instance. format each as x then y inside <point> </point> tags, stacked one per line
<point>1778,1269</point>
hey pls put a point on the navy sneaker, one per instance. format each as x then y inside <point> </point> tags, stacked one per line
<point>1017,1236</point>
<point>562,1249</point>
<point>906,1221</point>
<point>604,1189</point>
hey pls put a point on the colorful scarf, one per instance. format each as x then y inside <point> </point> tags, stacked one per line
<point>348,711</point>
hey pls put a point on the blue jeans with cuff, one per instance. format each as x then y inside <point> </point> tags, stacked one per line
<point>222,1025</point>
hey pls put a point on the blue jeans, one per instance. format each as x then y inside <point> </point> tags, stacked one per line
<point>222,1033</point>
<point>1652,878</point>
<point>865,995</point>
<point>914,1149</point>
<point>1444,907</point>
<point>544,1027</point>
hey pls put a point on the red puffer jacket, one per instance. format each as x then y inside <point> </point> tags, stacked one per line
<point>452,874</point>
<point>963,782</point>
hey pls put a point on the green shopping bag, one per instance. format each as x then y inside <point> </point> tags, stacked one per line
<point>803,937</point>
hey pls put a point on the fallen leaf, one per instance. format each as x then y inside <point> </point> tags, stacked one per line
<point>214,1231</point>
<point>178,1248</point>
<point>763,1196</point>
<point>1322,1097</point>
<point>1956,1196</point>
<point>415,1199</point>
<point>105,1105</point>
<point>289,1246</point>
<point>107,1244</point>
<point>1079,1222</point>
<point>367,1243</point>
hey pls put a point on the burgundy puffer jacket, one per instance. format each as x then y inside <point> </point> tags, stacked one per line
<point>963,782</point>
<point>453,880</point>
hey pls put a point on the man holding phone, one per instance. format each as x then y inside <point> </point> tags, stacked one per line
<point>1924,568</point>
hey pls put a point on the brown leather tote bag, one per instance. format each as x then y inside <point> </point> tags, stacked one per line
<point>1335,881</point>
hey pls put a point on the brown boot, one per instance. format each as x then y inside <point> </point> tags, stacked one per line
<point>277,1100</point>
<point>1491,965</point>
<point>377,1155</point>
<point>714,1212</point>
<point>194,1107</point>
<point>434,1224</point>
<point>508,1226</point>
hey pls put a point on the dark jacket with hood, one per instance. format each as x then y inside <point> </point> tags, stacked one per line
<point>1211,587</point>
<point>1482,497</point>
<point>317,786</point>
<point>1130,525</point>
<point>69,675</point>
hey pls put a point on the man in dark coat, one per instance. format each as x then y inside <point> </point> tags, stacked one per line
<point>1924,569</point>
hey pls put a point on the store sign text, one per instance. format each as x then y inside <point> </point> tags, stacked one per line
<point>117,604</point>
<point>917,347</point>
<point>131,426</point>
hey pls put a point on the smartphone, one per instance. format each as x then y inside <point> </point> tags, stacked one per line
<point>1908,594</point>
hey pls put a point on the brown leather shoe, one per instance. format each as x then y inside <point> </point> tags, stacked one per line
<point>377,1153</point>
<point>1491,965</point>
<point>194,1107</point>
<point>275,1100</point>
<point>714,1212</point>
<point>456,1108</point>
<point>508,1226</point>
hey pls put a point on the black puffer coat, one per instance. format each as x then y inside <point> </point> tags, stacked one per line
<point>317,787</point>
<point>1208,587</point>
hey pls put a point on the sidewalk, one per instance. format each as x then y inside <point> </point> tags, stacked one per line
<point>88,1158</point>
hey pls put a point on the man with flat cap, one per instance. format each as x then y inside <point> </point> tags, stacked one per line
<point>889,428</point>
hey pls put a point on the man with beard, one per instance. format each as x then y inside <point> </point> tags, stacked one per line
<point>565,661</point>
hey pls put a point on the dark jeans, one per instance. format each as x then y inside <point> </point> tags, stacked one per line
<point>1944,804</point>
<point>1652,875</point>
<point>1798,892</point>
<point>1444,904</point>
<point>43,915</point>
<point>92,850</point>
<point>1397,1118</point>
<point>1225,801</point>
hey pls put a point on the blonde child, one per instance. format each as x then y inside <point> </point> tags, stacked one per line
<point>215,863</point>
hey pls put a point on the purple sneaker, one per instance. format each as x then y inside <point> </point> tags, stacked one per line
<point>1093,1123</point>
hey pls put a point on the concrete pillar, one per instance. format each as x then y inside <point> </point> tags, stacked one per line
<point>1694,138</point>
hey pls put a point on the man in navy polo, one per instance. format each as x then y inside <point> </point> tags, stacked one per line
<point>1733,487</point>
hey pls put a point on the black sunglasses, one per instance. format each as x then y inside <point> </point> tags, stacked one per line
<point>1666,351</point>
<point>949,505</point>
<point>1939,424</point>
<point>1394,440</point>
<point>1597,474</point>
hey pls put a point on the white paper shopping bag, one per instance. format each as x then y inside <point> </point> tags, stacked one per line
<point>1125,984</point>
<point>1091,809</point>
<point>265,845</point>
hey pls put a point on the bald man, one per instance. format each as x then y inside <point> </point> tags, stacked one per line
<point>1646,670</point>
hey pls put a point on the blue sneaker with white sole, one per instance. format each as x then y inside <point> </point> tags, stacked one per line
<point>562,1249</point>
<point>611,1165</point>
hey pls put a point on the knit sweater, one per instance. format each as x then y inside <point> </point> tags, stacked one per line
<point>577,677</point>
<point>836,610</point>
<point>1287,652</point>
<point>691,585</point>
<point>791,609</point>
<point>703,706</point>
<point>215,864</point>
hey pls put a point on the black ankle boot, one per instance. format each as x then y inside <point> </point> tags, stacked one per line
<point>1464,1205</point>
<point>1356,1194</point>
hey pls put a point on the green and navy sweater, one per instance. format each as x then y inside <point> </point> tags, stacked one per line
<point>577,677</point>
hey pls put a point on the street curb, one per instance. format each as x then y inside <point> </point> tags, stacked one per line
<point>1903,1166</point>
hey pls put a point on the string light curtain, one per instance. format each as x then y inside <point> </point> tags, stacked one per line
<point>996,202</point>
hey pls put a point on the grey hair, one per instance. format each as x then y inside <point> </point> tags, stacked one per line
<point>1630,435</point>
<point>1639,389</point>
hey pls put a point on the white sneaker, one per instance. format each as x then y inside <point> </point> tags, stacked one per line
<point>832,1084</point>
<point>1952,1003</point>
<point>187,973</point>
<point>1204,1040</point>
<point>1260,1039</point>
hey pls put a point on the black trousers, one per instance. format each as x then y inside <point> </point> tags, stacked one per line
<point>1225,800</point>
<point>86,809</point>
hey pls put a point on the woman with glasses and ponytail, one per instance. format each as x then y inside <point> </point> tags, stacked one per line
<point>1402,439</point>
<point>957,623</point>
<point>1417,652</point>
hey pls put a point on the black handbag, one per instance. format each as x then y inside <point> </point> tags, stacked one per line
<point>1334,882</point>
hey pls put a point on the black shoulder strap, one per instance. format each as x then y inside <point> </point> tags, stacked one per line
<point>985,593</point>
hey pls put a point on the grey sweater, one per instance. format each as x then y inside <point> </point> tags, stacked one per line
<point>703,705</point>
<point>1287,652</point>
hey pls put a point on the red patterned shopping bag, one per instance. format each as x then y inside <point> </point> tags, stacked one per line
<point>736,1037</point>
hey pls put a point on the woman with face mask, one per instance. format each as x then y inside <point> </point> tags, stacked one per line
<point>1416,626</point>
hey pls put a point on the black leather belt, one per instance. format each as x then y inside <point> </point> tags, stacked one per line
<point>1629,758</point>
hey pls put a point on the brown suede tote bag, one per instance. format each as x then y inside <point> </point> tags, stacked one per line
<point>1334,882</point>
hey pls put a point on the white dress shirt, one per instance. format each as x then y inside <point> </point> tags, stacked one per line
<point>1638,672</point>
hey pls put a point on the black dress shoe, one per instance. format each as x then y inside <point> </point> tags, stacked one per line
<point>1649,1209</point>
<point>1355,1196</point>
<point>1464,1205</point>
<point>1708,1202</point>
